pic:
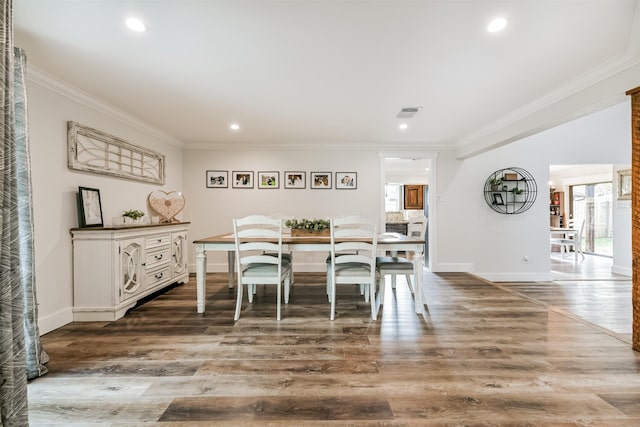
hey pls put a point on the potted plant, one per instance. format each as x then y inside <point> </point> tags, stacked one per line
<point>495,183</point>
<point>516,192</point>
<point>132,215</point>
<point>305,227</point>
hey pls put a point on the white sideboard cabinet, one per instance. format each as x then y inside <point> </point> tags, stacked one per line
<point>115,267</point>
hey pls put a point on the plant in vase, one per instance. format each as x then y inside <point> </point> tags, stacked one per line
<point>516,192</point>
<point>495,183</point>
<point>308,226</point>
<point>132,215</point>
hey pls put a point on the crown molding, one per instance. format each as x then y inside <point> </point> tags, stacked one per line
<point>499,132</point>
<point>578,85</point>
<point>42,78</point>
<point>342,146</point>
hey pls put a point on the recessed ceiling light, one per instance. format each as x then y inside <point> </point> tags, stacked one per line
<point>403,126</point>
<point>496,25</point>
<point>136,25</point>
<point>234,126</point>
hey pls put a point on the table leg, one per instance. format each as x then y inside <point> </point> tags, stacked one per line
<point>231,264</point>
<point>418,266</point>
<point>201,277</point>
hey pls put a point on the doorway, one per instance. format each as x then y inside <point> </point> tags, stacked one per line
<point>401,174</point>
<point>583,193</point>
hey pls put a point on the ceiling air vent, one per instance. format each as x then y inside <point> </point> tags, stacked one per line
<point>408,112</point>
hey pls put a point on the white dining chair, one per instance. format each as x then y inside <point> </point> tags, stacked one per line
<point>353,258</point>
<point>574,242</point>
<point>395,265</point>
<point>259,258</point>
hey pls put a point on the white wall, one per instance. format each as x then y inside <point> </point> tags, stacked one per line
<point>476,239</point>
<point>55,187</point>
<point>211,210</point>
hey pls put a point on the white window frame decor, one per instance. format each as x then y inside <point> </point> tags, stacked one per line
<point>91,150</point>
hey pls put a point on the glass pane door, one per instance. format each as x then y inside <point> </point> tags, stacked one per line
<point>593,203</point>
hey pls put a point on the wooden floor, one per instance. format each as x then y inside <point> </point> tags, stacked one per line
<point>486,355</point>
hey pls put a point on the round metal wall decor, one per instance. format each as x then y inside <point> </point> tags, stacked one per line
<point>510,190</point>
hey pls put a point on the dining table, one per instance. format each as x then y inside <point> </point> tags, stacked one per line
<point>392,242</point>
<point>567,233</point>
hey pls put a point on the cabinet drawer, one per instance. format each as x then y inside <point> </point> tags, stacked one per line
<point>157,276</point>
<point>158,257</point>
<point>157,241</point>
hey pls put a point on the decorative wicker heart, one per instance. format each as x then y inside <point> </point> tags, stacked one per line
<point>168,205</point>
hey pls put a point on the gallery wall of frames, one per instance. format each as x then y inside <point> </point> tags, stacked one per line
<point>290,180</point>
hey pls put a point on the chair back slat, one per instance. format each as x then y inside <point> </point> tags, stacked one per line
<point>417,227</point>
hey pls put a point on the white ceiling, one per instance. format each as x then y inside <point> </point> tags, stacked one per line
<point>336,73</point>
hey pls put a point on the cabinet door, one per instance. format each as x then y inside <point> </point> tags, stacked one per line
<point>413,198</point>
<point>179,253</point>
<point>131,263</point>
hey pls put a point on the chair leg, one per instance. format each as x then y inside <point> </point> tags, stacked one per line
<point>382,284</point>
<point>372,300</point>
<point>279,296</point>
<point>238,302</point>
<point>287,289</point>
<point>408,277</point>
<point>332,293</point>
<point>393,280</point>
<point>251,291</point>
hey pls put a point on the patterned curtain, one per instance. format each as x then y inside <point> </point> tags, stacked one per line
<point>35,354</point>
<point>21,356</point>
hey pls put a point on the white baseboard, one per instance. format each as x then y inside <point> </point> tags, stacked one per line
<point>515,277</point>
<point>454,267</point>
<point>625,271</point>
<point>55,320</point>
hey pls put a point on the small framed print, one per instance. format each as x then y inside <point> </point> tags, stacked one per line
<point>497,199</point>
<point>242,179</point>
<point>269,179</point>
<point>320,180</point>
<point>346,180</point>
<point>217,179</point>
<point>624,184</point>
<point>295,179</point>
<point>90,207</point>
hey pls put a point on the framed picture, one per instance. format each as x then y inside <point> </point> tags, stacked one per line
<point>269,179</point>
<point>295,179</point>
<point>90,208</point>
<point>346,180</point>
<point>320,180</point>
<point>624,184</point>
<point>217,179</point>
<point>242,179</point>
<point>497,199</point>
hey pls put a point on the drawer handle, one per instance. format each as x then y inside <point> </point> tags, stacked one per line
<point>159,240</point>
<point>159,275</point>
<point>158,257</point>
